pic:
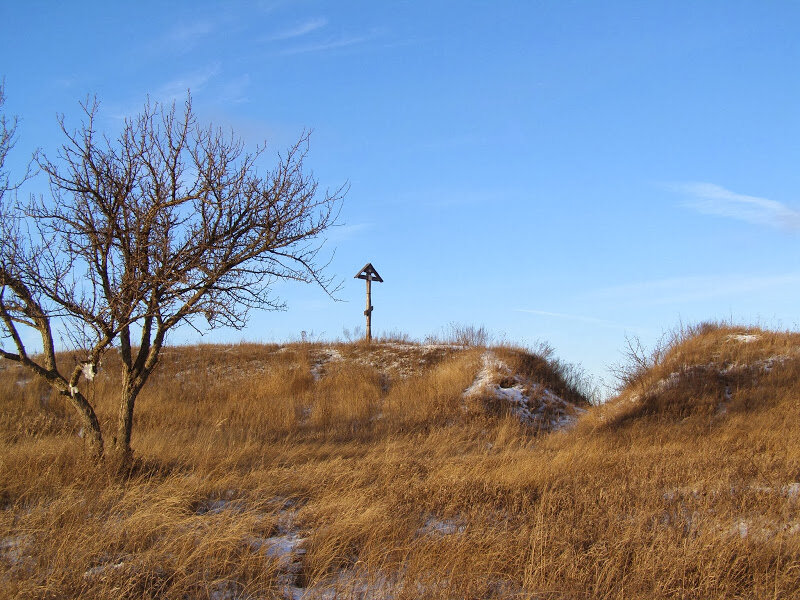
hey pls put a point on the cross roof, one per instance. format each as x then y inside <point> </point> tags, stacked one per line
<point>369,272</point>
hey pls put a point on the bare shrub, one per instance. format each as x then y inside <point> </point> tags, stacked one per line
<point>463,335</point>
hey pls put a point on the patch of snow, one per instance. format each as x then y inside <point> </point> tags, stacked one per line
<point>682,492</point>
<point>103,569</point>
<point>395,358</point>
<point>791,490</point>
<point>348,583</point>
<point>745,338</point>
<point>443,347</point>
<point>224,590</point>
<point>762,529</point>
<point>765,364</point>
<point>323,357</point>
<point>769,363</point>
<point>16,550</point>
<point>434,526</point>
<point>530,402</point>
<point>742,528</point>
<point>214,507</point>
<point>284,548</point>
<point>291,592</point>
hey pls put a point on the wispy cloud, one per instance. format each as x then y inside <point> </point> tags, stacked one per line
<point>175,89</point>
<point>678,290</point>
<point>712,199</point>
<point>571,317</point>
<point>329,44</point>
<point>234,90</point>
<point>178,39</point>
<point>341,233</point>
<point>189,33</point>
<point>299,30</point>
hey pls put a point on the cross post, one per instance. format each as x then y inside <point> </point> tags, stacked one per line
<point>369,274</point>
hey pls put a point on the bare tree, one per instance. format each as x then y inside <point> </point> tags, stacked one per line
<point>169,223</point>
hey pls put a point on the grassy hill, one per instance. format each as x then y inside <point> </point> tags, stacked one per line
<point>403,470</point>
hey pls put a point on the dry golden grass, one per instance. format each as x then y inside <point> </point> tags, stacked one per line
<point>364,463</point>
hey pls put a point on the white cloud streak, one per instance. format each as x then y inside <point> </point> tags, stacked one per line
<point>331,44</point>
<point>340,233</point>
<point>299,30</point>
<point>178,40</point>
<point>712,199</point>
<point>189,33</point>
<point>175,90</point>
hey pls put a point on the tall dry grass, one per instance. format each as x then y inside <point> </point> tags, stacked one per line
<point>365,463</point>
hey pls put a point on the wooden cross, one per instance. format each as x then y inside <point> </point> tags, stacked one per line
<point>370,274</point>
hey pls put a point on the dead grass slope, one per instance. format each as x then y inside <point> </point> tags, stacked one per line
<point>313,471</point>
<point>709,371</point>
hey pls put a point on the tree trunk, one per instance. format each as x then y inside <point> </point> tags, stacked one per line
<point>122,443</point>
<point>91,426</point>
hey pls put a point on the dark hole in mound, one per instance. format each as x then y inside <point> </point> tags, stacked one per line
<point>508,382</point>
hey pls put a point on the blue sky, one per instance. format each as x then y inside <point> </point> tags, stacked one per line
<point>572,172</point>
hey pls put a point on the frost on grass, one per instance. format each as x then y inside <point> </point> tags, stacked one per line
<point>530,402</point>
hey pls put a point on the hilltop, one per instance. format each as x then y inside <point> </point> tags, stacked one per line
<point>402,470</point>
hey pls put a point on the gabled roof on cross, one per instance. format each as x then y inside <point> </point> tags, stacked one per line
<point>369,272</point>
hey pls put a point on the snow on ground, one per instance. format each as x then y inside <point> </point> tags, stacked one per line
<point>321,358</point>
<point>17,552</point>
<point>747,525</point>
<point>218,505</point>
<point>395,359</point>
<point>531,402</point>
<point>744,337</point>
<point>286,547</point>
<point>762,529</point>
<point>763,365</point>
<point>434,526</point>
<point>103,569</point>
<point>349,584</point>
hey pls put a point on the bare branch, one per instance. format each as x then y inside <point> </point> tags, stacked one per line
<point>166,222</point>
